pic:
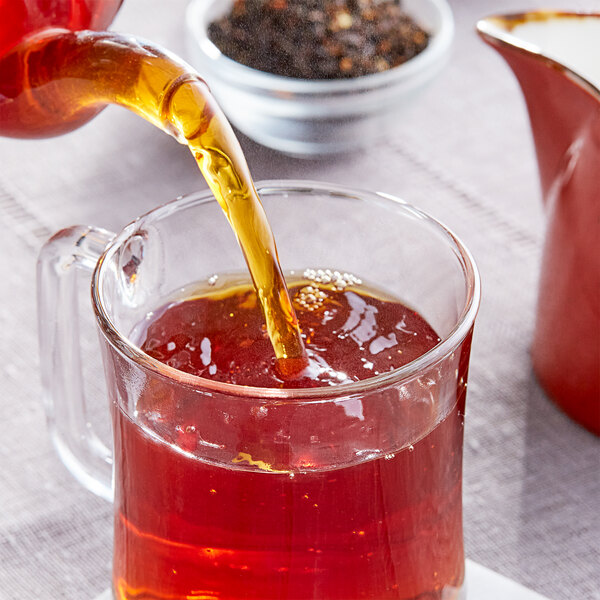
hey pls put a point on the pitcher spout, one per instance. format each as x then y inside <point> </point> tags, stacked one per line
<point>554,57</point>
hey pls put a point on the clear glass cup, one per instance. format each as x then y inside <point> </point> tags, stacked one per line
<point>366,501</point>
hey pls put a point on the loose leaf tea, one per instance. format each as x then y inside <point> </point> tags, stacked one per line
<point>318,39</point>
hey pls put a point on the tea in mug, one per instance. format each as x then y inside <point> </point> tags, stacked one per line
<point>198,517</point>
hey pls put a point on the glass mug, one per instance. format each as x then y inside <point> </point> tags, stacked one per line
<point>368,503</point>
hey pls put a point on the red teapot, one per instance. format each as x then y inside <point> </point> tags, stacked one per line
<point>59,68</point>
<point>33,45</point>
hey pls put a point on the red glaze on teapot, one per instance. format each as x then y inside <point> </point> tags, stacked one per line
<point>556,59</point>
<point>23,18</point>
<point>27,29</point>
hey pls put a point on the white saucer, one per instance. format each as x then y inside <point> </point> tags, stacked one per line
<point>481,584</point>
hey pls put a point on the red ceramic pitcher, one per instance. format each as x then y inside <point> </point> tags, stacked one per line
<point>554,56</point>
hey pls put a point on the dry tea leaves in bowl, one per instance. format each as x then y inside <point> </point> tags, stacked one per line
<point>318,39</point>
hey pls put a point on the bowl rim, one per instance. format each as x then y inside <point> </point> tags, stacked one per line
<point>229,69</point>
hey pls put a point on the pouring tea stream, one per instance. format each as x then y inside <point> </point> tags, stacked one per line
<point>57,72</point>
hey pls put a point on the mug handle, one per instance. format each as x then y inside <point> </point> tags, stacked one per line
<point>69,254</point>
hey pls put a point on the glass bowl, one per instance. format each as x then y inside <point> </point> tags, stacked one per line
<point>305,117</point>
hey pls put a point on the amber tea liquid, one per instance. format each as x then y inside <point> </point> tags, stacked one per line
<point>261,521</point>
